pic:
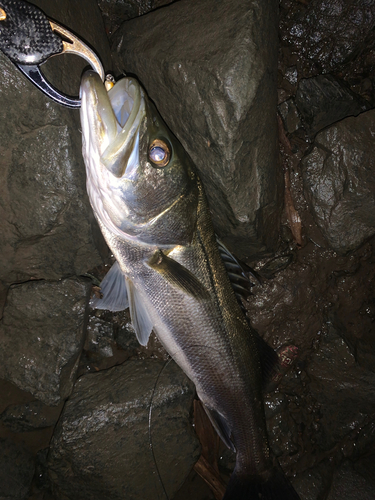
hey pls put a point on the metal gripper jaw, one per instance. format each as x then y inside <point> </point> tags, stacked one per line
<point>28,37</point>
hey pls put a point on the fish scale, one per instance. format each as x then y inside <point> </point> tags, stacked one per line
<point>177,284</point>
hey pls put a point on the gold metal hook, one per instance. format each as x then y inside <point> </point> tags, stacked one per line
<point>76,46</point>
<point>3,15</point>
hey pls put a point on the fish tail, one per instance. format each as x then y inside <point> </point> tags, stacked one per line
<point>277,487</point>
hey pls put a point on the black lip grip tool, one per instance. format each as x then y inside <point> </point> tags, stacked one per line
<point>28,37</point>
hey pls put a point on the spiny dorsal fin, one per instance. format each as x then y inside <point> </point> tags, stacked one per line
<point>113,290</point>
<point>274,364</point>
<point>141,321</point>
<point>238,273</point>
<point>177,275</point>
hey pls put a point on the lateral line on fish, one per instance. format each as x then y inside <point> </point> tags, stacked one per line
<point>210,275</point>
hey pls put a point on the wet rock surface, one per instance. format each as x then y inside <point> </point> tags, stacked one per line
<point>115,12</point>
<point>339,184</point>
<point>322,413</point>
<point>347,483</point>
<point>41,336</point>
<point>29,416</point>
<point>47,227</point>
<point>216,91</point>
<point>324,100</point>
<point>104,433</point>
<point>327,35</point>
<point>16,471</point>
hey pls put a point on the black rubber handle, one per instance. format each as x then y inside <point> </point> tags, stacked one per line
<point>26,36</point>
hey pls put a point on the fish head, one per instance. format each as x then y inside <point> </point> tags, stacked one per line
<point>141,183</point>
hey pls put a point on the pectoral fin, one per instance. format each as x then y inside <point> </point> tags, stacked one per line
<point>178,275</point>
<point>113,290</point>
<point>141,321</point>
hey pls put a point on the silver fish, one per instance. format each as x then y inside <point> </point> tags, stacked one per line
<point>152,210</point>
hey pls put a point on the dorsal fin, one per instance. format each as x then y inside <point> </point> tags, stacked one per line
<point>113,290</point>
<point>274,364</point>
<point>238,273</point>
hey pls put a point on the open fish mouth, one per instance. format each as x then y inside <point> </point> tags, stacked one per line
<point>112,120</point>
<point>111,123</point>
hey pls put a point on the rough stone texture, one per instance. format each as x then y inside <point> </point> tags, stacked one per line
<point>338,177</point>
<point>327,35</point>
<point>100,337</point>
<point>290,115</point>
<point>323,411</point>
<point>101,447</point>
<point>324,100</point>
<point>41,336</point>
<point>29,416</point>
<point>16,471</point>
<point>210,67</point>
<point>350,485</point>
<point>351,395</point>
<point>46,224</point>
<point>116,12</point>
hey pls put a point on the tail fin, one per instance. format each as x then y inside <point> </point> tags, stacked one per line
<point>276,488</point>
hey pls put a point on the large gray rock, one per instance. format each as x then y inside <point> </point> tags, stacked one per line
<point>210,67</point>
<point>339,181</point>
<point>46,224</point>
<point>41,336</point>
<point>324,100</point>
<point>101,446</point>
<point>16,471</point>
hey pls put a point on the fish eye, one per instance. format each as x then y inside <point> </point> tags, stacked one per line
<point>159,153</point>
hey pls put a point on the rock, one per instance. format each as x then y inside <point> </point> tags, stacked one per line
<point>350,485</point>
<point>100,337</point>
<point>46,221</point>
<point>281,427</point>
<point>339,185</point>
<point>290,115</point>
<point>344,390</point>
<point>115,12</point>
<point>327,35</point>
<point>16,471</point>
<point>312,483</point>
<point>101,446</point>
<point>47,227</point>
<point>29,416</point>
<point>213,78</point>
<point>41,336</point>
<point>365,467</point>
<point>324,100</point>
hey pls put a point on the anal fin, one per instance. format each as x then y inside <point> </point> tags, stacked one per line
<point>221,427</point>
